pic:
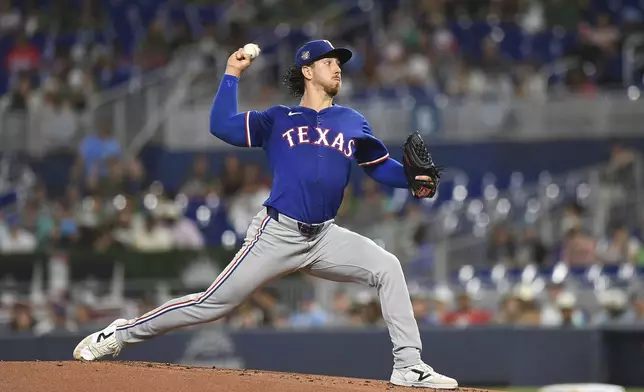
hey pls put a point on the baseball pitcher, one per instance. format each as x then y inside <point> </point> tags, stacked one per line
<point>310,148</point>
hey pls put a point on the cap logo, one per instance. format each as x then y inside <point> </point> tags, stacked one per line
<point>305,55</point>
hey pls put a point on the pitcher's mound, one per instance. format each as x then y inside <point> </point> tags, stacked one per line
<point>154,377</point>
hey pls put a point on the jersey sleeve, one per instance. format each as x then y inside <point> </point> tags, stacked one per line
<point>243,129</point>
<point>258,125</point>
<point>369,149</point>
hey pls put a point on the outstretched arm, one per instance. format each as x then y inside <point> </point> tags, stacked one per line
<point>389,172</point>
<point>376,162</point>
<point>374,158</point>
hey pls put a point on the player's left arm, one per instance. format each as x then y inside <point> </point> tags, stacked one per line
<point>373,156</point>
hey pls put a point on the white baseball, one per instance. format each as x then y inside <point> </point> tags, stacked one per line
<point>252,50</point>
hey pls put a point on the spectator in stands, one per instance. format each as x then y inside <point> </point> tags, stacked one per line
<point>392,71</point>
<point>54,321</point>
<point>92,214</point>
<point>373,206</point>
<point>181,35</point>
<point>105,240</point>
<point>620,171</point>
<point>17,239</point>
<point>24,56</point>
<point>125,222</point>
<point>248,200</point>
<point>579,249</point>
<point>40,197</point>
<point>94,152</point>
<point>616,309</point>
<point>532,249</point>
<point>565,312</point>
<point>123,177</point>
<point>599,43</point>
<point>414,231</point>
<point>185,233</point>
<point>274,313</point>
<point>111,67</point>
<point>23,97</point>
<point>619,182</point>
<point>59,123</point>
<point>578,82</point>
<point>21,318</point>
<point>232,177</point>
<point>41,223</point>
<point>155,48</point>
<point>621,247</point>
<point>443,49</point>
<point>532,83</point>
<point>422,260</point>
<point>422,312</point>
<point>509,311</point>
<point>530,314</point>
<point>419,73</point>
<point>134,176</point>
<point>109,185</point>
<point>532,18</point>
<point>458,85</point>
<point>152,237</point>
<point>387,233</point>
<point>68,232</point>
<point>348,208</point>
<point>639,257</point>
<point>442,299</point>
<point>201,180</point>
<point>502,247</point>
<point>83,313</point>
<point>242,11</point>
<point>310,314</point>
<point>10,18</point>
<point>355,316</point>
<point>81,87</point>
<point>372,314</point>
<point>466,314</point>
<point>638,305</point>
<point>571,218</point>
<point>339,314</point>
<point>549,308</point>
<point>490,80</point>
<point>493,62</point>
<point>246,316</point>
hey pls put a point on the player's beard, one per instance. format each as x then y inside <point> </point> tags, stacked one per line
<point>332,89</point>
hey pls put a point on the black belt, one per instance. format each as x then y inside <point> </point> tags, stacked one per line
<point>304,228</point>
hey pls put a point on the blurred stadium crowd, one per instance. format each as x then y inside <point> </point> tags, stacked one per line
<point>60,53</point>
<point>123,210</point>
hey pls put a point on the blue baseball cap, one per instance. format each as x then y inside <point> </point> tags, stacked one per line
<point>321,48</point>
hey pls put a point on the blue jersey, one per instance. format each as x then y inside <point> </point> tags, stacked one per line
<point>310,152</point>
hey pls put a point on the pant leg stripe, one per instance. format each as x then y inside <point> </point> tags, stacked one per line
<point>220,280</point>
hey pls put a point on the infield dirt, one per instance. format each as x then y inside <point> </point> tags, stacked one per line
<point>115,376</point>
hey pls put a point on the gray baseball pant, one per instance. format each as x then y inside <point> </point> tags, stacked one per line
<point>273,249</point>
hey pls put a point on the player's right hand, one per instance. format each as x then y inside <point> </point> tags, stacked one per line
<point>237,63</point>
